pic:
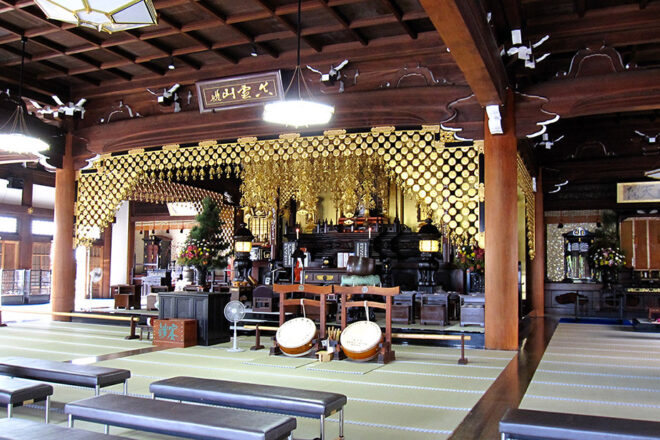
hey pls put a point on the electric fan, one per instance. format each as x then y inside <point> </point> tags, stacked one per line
<point>234,312</point>
<point>94,277</point>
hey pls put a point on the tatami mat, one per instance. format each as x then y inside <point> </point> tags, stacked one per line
<point>424,394</point>
<point>603,370</point>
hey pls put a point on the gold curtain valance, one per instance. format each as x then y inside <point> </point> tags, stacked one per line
<point>444,179</point>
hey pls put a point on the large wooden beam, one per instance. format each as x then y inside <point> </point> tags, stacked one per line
<point>402,107</point>
<point>593,95</point>
<point>463,28</point>
<point>619,26</point>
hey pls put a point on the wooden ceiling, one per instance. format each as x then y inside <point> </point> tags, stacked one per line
<point>411,62</point>
<point>194,36</point>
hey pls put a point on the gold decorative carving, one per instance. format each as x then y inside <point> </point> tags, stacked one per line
<point>525,184</point>
<point>384,129</point>
<point>480,146</point>
<point>247,140</point>
<point>289,136</point>
<point>334,132</point>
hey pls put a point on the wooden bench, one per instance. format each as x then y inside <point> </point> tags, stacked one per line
<point>526,424</point>
<point>89,376</point>
<point>20,429</point>
<point>281,400</point>
<point>179,419</point>
<point>16,391</point>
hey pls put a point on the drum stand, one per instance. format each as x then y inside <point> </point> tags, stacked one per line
<point>321,303</point>
<point>385,353</point>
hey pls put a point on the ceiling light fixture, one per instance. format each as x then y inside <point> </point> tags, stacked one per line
<point>14,135</point>
<point>108,16</point>
<point>298,112</point>
<point>171,66</point>
<point>253,50</point>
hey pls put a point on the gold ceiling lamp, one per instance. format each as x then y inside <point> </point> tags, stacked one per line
<point>102,15</point>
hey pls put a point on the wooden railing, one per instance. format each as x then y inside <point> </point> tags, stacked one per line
<point>133,319</point>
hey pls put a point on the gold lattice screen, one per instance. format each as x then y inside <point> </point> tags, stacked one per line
<point>527,187</point>
<point>427,163</point>
<point>99,197</point>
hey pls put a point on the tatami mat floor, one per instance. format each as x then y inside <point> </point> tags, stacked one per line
<point>602,370</point>
<point>424,394</point>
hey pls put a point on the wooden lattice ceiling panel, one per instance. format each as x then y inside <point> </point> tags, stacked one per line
<point>197,35</point>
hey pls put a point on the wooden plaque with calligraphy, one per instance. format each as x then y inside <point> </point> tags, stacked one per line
<point>239,91</point>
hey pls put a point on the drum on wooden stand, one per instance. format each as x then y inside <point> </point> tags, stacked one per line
<point>360,340</point>
<point>295,336</point>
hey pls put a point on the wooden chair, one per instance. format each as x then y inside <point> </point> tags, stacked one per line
<point>386,353</point>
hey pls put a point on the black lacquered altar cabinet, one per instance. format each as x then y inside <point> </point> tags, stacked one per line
<point>206,307</point>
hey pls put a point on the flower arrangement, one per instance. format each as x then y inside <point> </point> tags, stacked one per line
<point>205,247</point>
<point>470,257</point>
<point>608,257</point>
<point>196,253</point>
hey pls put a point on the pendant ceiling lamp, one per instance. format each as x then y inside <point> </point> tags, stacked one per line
<point>102,15</point>
<point>298,112</point>
<point>14,135</point>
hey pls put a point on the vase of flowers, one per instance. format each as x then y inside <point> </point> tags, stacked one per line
<point>607,261</point>
<point>205,248</point>
<point>471,258</point>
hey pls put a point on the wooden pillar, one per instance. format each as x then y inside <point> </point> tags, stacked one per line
<point>64,267</point>
<point>538,264</point>
<point>25,226</point>
<point>501,229</point>
<point>104,291</point>
<point>130,260</point>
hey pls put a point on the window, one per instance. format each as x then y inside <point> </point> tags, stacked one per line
<point>41,256</point>
<point>8,224</point>
<point>43,227</point>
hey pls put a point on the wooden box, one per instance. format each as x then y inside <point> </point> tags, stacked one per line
<point>403,308</point>
<point>175,332</point>
<point>434,314</point>
<point>472,315</point>
<point>242,294</point>
<point>324,355</point>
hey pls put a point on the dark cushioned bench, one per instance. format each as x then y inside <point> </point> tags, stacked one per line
<point>180,419</point>
<point>529,424</point>
<point>16,391</point>
<point>19,429</point>
<point>282,400</point>
<point>88,376</point>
